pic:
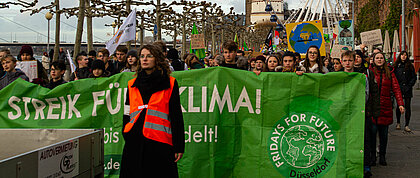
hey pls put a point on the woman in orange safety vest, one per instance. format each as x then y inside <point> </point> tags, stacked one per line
<point>153,126</point>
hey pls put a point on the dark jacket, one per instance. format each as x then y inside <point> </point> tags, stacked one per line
<point>119,66</point>
<point>406,79</point>
<point>373,106</point>
<point>111,68</point>
<point>9,77</point>
<point>51,85</point>
<point>81,73</point>
<point>385,86</point>
<point>146,157</point>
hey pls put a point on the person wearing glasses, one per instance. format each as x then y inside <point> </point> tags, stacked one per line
<point>313,62</point>
<point>153,126</point>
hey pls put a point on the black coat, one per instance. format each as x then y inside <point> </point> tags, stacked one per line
<point>81,73</point>
<point>143,157</point>
<point>406,78</point>
<point>51,85</point>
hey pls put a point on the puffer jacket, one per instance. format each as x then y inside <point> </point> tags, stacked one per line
<point>9,77</point>
<point>406,79</point>
<point>385,88</point>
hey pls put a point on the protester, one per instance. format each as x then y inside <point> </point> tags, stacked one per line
<point>206,62</point>
<point>3,53</point>
<point>176,62</point>
<point>312,62</point>
<point>193,62</point>
<point>229,54</point>
<point>360,65</point>
<point>218,60</point>
<point>387,82</point>
<point>328,63</point>
<point>252,64</point>
<point>58,68</point>
<point>240,53</point>
<point>272,62</point>
<point>62,55</point>
<point>288,63</point>
<point>337,65</point>
<point>45,61</point>
<point>98,69</point>
<point>132,62</point>
<point>260,65</point>
<point>26,54</point>
<point>406,76</point>
<point>8,63</point>
<point>103,55</point>
<point>82,70</point>
<point>121,55</point>
<point>153,97</point>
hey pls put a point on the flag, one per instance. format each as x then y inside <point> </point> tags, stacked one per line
<point>236,38</point>
<point>200,53</point>
<point>245,47</point>
<point>72,65</point>
<point>126,32</point>
<point>269,38</point>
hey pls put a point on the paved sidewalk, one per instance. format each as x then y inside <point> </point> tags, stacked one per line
<point>403,152</point>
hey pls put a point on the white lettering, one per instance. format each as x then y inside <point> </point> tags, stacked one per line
<point>14,106</point>
<point>247,103</point>
<point>39,108</point>
<point>191,107</point>
<point>221,102</point>
<point>51,107</point>
<point>97,101</point>
<point>72,108</point>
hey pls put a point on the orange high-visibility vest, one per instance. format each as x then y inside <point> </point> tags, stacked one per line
<point>157,125</point>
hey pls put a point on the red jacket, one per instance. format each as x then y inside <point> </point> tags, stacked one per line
<point>386,114</point>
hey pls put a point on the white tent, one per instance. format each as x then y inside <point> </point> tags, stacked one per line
<point>387,46</point>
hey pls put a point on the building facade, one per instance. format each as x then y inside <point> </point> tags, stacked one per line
<point>255,10</point>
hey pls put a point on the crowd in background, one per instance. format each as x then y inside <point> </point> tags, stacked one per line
<point>384,81</point>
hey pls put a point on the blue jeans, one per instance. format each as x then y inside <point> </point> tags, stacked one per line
<point>383,139</point>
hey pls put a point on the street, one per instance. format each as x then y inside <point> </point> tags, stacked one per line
<point>403,151</point>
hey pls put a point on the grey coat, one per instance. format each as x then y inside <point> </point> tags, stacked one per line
<point>9,77</point>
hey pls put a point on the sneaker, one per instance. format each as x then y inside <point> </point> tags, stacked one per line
<point>382,160</point>
<point>398,126</point>
<point>407,129</point>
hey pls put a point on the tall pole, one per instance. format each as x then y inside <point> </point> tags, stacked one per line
<point>213,39</point>
<point>48,39</point>
<point>79,31</point>
<point>403,27</point>
<point>57,30</point>
<point>175,35</point>
<point>159,35</point>
<point>89,26</point>
<point>128,6</point>
<point>141,31</point>
<point>184,35</point>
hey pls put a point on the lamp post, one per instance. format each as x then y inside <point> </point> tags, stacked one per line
<point>48,16</point>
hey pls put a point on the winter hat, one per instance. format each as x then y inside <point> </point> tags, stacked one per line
<point>132,53</point>
<point>98,64</point>
<point>26,49</point>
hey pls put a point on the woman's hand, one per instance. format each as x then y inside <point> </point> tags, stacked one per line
<point>299,72</point>
<point>178,156</point>
<point>402,109</point>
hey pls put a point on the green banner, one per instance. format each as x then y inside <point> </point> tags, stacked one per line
<point>237,124</point>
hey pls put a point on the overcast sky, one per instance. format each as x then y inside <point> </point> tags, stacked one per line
<point>21,27</point>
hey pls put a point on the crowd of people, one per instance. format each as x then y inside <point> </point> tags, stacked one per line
<point>383,80</point>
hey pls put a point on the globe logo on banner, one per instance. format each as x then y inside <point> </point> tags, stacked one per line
<point>302,145</point>
<point>303,36</point>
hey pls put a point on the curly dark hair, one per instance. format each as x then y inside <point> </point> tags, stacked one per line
<point>160,63</point>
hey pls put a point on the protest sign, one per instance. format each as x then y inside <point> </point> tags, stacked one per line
<point>373,37</point>
<point>236,125</point>
<point>197,41</point>
<point>302,35</point>
<point>338,49</point>
<point>30,68</point>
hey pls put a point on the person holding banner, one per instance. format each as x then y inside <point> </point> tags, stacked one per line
<point>260,65</point>
<point>313,62</point>
<point>406,75</point>
<point>58,68</point>
<point>153,126</point>
<point>8,63</point>
<point>387,82</point>
<point>272,62</point>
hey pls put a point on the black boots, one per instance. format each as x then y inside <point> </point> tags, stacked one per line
<point>382,160</point>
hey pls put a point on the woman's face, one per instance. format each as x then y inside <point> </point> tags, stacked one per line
<point>97,72</point>
<point>337,65</point>
<point>358,60</point>
<point>312,54</point>
<point>252,64</point>
<point>147,60</point>
<point>25,57</point>
<point>326,62</point>
<point>131,60</point>
<point>404,57</point>
<point>379,60</point>
<point>272,63</point>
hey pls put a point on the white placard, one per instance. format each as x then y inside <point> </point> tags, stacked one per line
<point>337,50</point>
<point>373,37</point>
<point>29,67</point>
<point>61,160</point>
